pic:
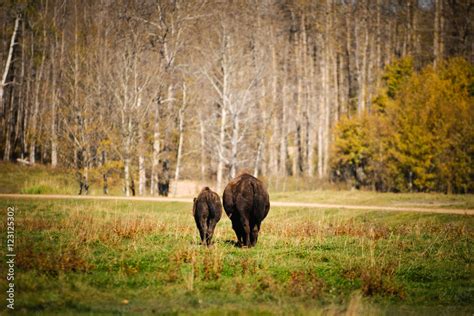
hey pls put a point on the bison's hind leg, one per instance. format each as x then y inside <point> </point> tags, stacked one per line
<point>211,225</point>
<point>236,226</point>
<point>202,227</point>
<point>244,223</point>
<point>254,234</point>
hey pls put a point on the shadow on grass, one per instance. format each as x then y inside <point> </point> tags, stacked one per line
<point>232,243</point>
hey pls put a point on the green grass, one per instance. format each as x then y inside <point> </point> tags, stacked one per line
<point>40,179</point>
<point>15,178</point>
<point>418,200</point>
<point>112,257</point>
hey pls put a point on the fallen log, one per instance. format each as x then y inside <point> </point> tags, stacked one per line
<point>23,161</point>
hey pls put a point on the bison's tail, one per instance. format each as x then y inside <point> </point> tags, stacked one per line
<point>259,201</point>
<point>213,211</point>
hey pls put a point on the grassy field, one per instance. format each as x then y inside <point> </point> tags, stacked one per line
<point>39,179</point>
<point>418,200</point>
<point>15,178</point>
<point>111,257</point>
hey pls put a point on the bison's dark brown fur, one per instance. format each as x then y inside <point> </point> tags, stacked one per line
<point>207,211</point>
<point>247,203</point>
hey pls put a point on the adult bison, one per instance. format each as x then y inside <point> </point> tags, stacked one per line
<point>247,203</point>
<point>207,211</point>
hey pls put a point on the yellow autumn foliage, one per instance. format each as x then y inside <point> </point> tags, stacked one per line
<point>420,137</point>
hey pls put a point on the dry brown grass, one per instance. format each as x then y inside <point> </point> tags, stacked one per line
<point>31,224</point>
<point>305,283</point>
<point>213,264</point>
<point>87,228</point>
<point>376,279</point>
<point>200,266</point>
<point>52,263</point>
<point>110,229</point>
<point>67,241</point>
<point>249,266</point>
<point>323,229</point>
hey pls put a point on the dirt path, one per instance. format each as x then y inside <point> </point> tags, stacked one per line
<point>274,203</point>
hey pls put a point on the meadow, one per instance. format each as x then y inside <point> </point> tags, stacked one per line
<point>40,179</point>
<point>109,257</point>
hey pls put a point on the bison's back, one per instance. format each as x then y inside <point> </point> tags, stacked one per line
<point>210,204</point>
<point>247,196</point>
<point>215,205</point>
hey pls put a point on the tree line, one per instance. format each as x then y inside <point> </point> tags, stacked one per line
<point>419,135</point>
<point>211,87</point>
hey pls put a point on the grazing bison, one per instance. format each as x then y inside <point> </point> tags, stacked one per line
<point>247,203</point>
<point>164,178</point>
<point>207,211</point>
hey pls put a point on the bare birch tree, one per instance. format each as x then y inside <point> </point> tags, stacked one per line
<point>181,113</point>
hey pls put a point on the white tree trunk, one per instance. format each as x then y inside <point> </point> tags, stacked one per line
<point>20,126</point>
<point>275,136</point>
<point>234,143</point>
<point>361,49</point>
<point>128,144</point>
<point>221,149</point>
<point>378,49</point>
<point>284,125</point>
<point>258,158</point>
<point>9,60</point>
<point>329,94</point>
<point>126,168</point>
<point>141,175</point>
<point>34,117</point>
<point>54,137</point>
<point>76,79</point>
<point>299,52</point>
<point>8,119</point>
<point>310,120</point>
<point>180,143</point>
<point>141,164</point>
<point>321,139</point>
<point>202,131</point>
<point>335,92</point>
<point>324,112</point>
<point>357,64</point>
<point>156,148</point>
<point>55,67</point>
<point>141,157</point>
<point>224,108</point>
<point>54,98</point>
<point>438,43</point>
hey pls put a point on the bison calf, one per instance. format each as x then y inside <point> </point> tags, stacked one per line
<point>207,211</point>
<point>247,203</point>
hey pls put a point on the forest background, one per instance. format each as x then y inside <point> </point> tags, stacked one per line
<point>367,94</point>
